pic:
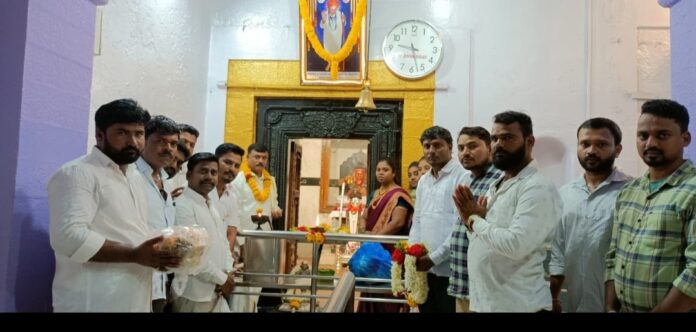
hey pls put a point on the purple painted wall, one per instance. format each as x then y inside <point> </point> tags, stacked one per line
<point>683,22</point>
<point>13,27</point>
<point>49,91</point>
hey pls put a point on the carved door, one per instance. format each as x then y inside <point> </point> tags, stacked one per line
<point>294,171</point>
<point>280,120</point>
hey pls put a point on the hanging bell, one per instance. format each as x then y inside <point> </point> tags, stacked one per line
<point>366,103</point>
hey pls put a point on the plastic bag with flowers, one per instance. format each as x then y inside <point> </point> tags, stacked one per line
<point>416,290</point>
<point>189,242</point>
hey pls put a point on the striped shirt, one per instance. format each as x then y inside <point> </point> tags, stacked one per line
<point>653,245</point>
<point>459,280</point>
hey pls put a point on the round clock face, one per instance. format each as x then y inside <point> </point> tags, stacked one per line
<point>412,49</point>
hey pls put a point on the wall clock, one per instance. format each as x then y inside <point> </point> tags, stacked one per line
<point>412,49</point>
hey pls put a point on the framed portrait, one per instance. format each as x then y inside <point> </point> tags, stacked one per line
<point>332,21</point>
<point>342,161</point>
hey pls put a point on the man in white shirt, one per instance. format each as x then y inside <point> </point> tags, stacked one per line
<point>256,189</point>
<point>229,161</point>
<point>201,291</point>
<point>161,139</point>
<point>507,239</point>
<point>98,226</point>
<point>582,239</point>
<point>435,216</point>
<point>188,136</point>
<point>180,157</point>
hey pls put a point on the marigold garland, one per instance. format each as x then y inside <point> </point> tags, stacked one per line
<point>316,234</point>
<point>258,195</point>
<point>347,47</point>
<point>416,290</point>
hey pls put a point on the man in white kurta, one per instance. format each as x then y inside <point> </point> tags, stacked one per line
<point>254,170</point>
<point>507,242</point>
<point>98,212</point>
<point>200,292</point>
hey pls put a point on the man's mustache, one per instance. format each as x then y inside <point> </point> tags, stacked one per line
<point>592,158</point>
<point>655,150</point>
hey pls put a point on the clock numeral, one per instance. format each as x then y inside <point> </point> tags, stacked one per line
<point>434,50</point>
<point>404,30</point>
<point>410,70</point>
<point>431,59</point>
<point>423,31</point>
<point>432,39</point>
<point>422,67</point>
<point>397,37</point>
<point>389,47</point>
<point>414,30</point>
<point>402,65</point>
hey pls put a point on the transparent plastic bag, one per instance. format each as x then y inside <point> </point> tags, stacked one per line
<point>189,242</point>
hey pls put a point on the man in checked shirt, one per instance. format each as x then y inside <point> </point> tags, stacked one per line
<point>651,263</point>
<point>474,152</point>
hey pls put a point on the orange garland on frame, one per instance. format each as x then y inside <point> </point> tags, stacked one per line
<point>351,40</point>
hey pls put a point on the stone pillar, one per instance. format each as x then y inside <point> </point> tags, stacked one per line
<point>683,32</point>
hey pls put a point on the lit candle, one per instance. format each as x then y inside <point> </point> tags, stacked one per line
<point>340,208</point>
<point>318,221</point>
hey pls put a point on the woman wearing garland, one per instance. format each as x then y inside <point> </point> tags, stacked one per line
<point>389,212</point>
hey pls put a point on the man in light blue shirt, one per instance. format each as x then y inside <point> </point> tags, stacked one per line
<point>161,138</point>
<point>435,216</point>
<point>582,239</point>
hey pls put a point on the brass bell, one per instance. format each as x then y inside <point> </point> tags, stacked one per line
<point>366,103</point>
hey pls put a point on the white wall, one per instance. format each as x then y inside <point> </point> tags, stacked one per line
<point>156,52</point>
<point>561,61</point>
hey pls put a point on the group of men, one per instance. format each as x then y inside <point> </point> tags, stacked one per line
<point>618,244</point>
<point>108,210</point>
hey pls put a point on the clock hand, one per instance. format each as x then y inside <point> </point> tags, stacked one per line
<point>404,46</point>
<point>413,51</point>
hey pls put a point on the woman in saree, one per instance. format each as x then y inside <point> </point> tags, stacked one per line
<point>389,212</point>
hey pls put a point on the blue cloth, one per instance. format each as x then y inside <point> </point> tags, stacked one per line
<point>371,260</point>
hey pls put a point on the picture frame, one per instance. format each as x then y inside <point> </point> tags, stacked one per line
<point>342,161</point>
<point>332,21</point>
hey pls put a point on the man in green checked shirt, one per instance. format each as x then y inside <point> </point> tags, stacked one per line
<point>651,263</point>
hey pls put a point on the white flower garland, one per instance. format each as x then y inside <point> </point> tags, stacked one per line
<point>396,284</point>
<point>416,290</point>
<point>416,281</point>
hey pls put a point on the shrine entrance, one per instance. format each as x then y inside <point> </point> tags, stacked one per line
<point>333,140</point>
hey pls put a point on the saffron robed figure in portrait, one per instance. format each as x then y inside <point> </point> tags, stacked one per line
<point>333,38</point>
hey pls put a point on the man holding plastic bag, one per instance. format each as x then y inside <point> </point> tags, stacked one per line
<point>203,286</point>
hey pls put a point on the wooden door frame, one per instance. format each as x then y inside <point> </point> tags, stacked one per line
<point>280,120</point>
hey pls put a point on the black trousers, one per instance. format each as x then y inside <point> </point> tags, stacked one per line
<point>438,299</point>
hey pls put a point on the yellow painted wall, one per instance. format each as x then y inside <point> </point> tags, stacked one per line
<point>248,80</point>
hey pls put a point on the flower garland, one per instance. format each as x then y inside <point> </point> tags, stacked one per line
<point>416,290</point>
<point>347,47</point>
<point>258,195</point>
<point>316,234</point>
